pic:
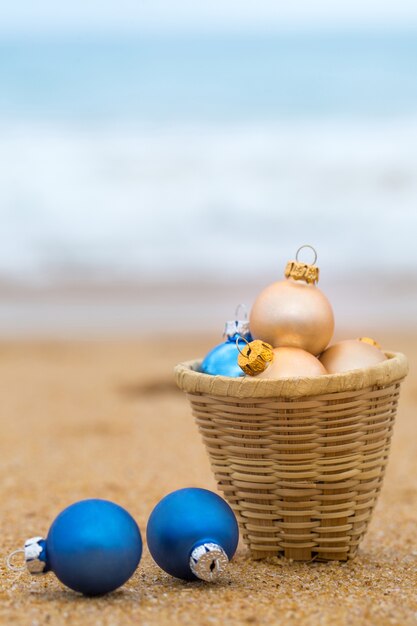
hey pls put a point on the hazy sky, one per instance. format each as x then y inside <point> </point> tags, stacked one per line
<point>34,15</point>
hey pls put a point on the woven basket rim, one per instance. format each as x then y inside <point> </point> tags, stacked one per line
<point>190,380</point>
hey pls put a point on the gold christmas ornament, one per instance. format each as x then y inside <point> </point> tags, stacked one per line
<point>254,357</point>
<point>349,355</point>
<point>261,360</point>
<point>294,312</point>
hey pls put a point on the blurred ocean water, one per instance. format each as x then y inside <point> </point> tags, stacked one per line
<point>183,78</point>
<point>161,157</point>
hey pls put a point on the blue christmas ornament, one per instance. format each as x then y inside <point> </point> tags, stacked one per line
<point>93,546</point>
<point>222,360</point>
<point>192,534</point>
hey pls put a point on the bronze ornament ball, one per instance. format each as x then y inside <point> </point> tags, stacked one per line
<point>292,313</point>
<point>350,354</point>
<point>292,363</point>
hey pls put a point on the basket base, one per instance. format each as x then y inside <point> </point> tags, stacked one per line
<point>258,555</point>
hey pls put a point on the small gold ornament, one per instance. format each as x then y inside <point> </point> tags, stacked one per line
<point>254,357</point>
<point>351,354</point>
<point>294,312</point>
<point>261,360</point>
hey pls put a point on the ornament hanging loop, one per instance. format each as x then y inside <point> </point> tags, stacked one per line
<point>9,561</point>
<point>306,272</point>
<point>249,350</point>
<point>244,309</point>
<point>306,245</point>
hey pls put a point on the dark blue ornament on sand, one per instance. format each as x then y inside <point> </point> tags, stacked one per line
<point>222,360</point>
<point>192,534</point>
<point>94,546</point>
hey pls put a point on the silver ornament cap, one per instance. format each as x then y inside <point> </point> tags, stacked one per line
<point>236,327</point>
<point>208,561</point>
<point>35,555</point>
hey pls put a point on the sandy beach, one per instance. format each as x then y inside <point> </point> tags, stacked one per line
<point>103,419</point>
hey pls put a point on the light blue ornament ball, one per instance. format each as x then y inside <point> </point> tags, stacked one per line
<point>222,359</point>
<point>186,520</point>
<point>93,546</point>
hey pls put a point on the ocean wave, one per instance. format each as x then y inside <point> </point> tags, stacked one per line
<point>206,200</point>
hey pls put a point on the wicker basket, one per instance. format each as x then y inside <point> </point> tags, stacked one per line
<point>301,461</point>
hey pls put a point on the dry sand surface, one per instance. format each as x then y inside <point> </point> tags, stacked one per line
<point>103,419</point>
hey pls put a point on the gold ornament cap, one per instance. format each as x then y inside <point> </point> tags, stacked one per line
<point>255,357</point>
<point>303,271</point>
<point>371,342</point>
